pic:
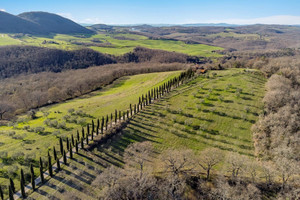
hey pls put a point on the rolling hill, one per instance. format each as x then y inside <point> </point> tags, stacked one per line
<point>39,23</point>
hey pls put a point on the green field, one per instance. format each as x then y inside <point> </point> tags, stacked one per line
<point>207,112</point>
<point>116,44</point>
<point>23,144</point>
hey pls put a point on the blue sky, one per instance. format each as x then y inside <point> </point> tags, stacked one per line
<point>164,11</point>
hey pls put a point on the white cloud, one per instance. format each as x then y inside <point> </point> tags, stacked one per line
<point>3,10</point>
<point>91,21</point>
<point>279,19</point>
<point>67,15</point>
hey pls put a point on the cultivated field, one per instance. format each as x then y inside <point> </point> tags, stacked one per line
<point>116,44</point>
<point>215,111</point>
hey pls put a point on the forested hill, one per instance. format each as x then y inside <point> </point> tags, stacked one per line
<point>39,23</point>
<point>16,60</point>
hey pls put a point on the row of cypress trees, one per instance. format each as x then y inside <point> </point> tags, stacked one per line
<point>100,127</point>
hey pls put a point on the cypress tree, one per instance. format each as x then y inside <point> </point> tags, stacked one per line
<point>82,131</point>
<point>116,116</point>
<point>11,193</point>
<point>22,190</point>
<point>71,152</point>
<point>93,126</point>
<point>139,100</point>
<point>73,141</point>
<point>106,123</point>
<point>1,193</point>
<point>92,136</point>
<point>22,179</point>
<point>65,157</point>
<point>98,127</point>
<point>138,107</point>
<point>87,130</point>
<point>78,137</point>
<point>102,125</point>
<point>87,140</point>
<point>41,170</point>
<point>82,145</point>
<point>61,146</point>
<point>124,115</point>
<point>134,108</point>
<point>76,146</point>
<point>54,153</point>
<point>50,165</point>
<point>111,119</point>
<point>68,144</point>
<point>130,107</point>
<point>120,115</point>
<point>58,164</point>
<point>127,114</point>
<point>12,185</point>
<point>32,177</point>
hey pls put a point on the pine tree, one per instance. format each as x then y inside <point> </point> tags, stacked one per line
<point>32,177</point>
<point>22,189</point>
<point>11,193</point>
<point>65,157</point>
<point>1,193</point>
<point>50,165</point>
<point>54,153</point>
<point>73,141</point>
<point>22,179</point>
<point>41,170</point>
<point>12,185</point>
<point>58,164</point>
<point>61,146</point>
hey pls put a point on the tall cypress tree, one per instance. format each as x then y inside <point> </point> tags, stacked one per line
<point>65,157</point>
<point>87,130</point>
<point>124,115</point>
<point>22,189</point>
<point>32,177</point>
<point>116,116</point>
<point>82,132</point>
<point>1,193</point>
<point>54,153</point>
<point>11,193</point>
<point>120,115</point>
<point>98,127</point>
<point>93,126</point>
<point>68,143</point>
<point>73,141</point>
<point>130,107</point>
<point>82,145</point>
<point>106,122</point>
<point>76,146</point>
<point>12,185</point>
<point>71,152</point>
<point>111,119</point>
<point>134,108</point>
<point>78,137</point>
<point>22,179</point>
<point>41,170</point>
<point>50,165</point>
<point>87,140</point>
<point>61,146</point>
<point>127,114</point>
<point>102,125</point>
<point>58,164</point>
<point>92,136</point>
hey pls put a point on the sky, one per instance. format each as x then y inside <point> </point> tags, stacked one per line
<point>164,11</point>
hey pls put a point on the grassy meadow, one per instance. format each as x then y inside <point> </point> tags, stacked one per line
<point>216,111</point>
<point>28,139</point>
<point>116,43</point>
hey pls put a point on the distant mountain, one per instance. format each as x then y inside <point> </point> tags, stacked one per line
<point>39,23</point>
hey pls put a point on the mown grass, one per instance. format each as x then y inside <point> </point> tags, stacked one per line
<point>193,116</point>
<point>116,44</point>
<point>16,140</point>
